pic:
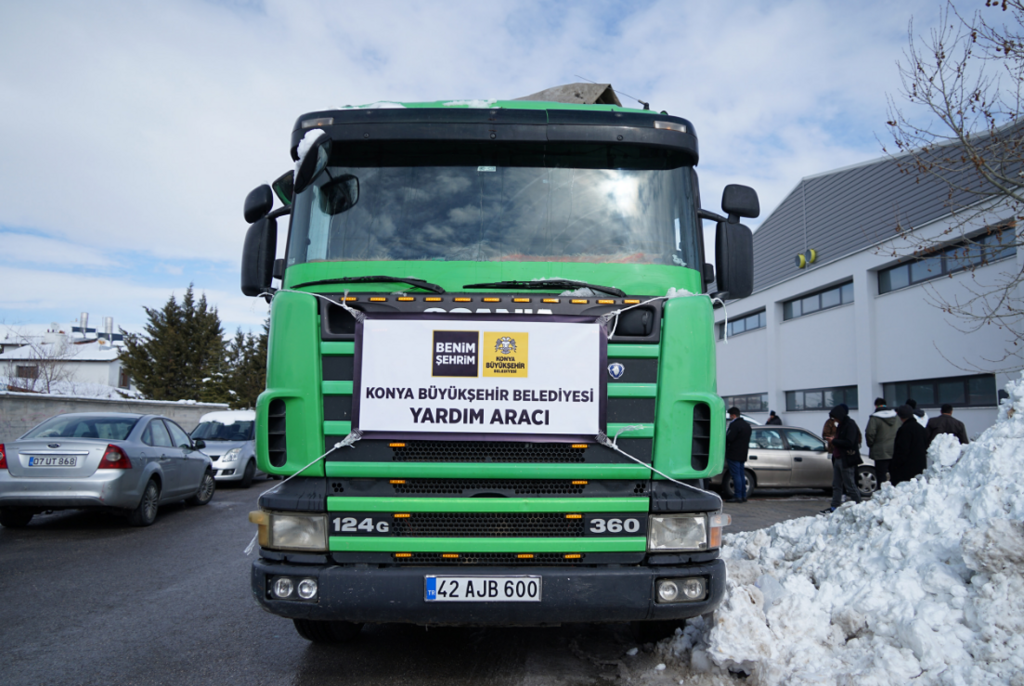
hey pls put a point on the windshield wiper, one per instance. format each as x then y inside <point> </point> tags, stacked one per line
<point>418,283</point>
<point>548,283</point>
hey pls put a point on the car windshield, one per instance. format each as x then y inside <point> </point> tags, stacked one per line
<point>216,431</point>
<point>105,428</point>
<point>613,205</point>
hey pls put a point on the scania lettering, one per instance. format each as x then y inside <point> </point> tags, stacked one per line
<point>491,373</point>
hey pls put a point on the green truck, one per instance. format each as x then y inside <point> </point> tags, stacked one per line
<point>491,383</point>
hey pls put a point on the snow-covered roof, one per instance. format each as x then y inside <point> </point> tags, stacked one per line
<point>70,352</point>
<point>230,416</point>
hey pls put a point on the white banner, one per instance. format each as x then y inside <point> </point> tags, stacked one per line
<point>478,376</point>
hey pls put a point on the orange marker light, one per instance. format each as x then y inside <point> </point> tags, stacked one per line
<point>631,301</point>
<point>552,300</point>
<point>378,299</point>
<point>580,302</point>
<point>525,556</point>
<point>572,556</point>
<point>580,446</point>
<point>396,445</point>
<point>520,300</point>
<point>405,299</point>
<point>401,516</point>
<point>492,300</point>
<point>574,516</point>
<point>432,300</point>
<point>605,302</point>
<point>403,554</point>
<point>579,483</point>
<point>463,300</point>
<point>397,481</point>
<point>449,556</point>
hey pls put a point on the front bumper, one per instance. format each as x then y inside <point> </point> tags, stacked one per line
<point>396,594</point>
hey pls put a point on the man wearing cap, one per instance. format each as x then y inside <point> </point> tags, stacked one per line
<point>880,434</point>
<point>945,424</point>
<point>845,457</point>
<point>737,442</point>
<point>774,419</point>
<point>910,449</point>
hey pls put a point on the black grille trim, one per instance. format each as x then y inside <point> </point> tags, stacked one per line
<point>480,452</point>
<point>700,448</point>
<point>277,441</point>
<point>489,559</point>
<point>338,367</point>
<point>488,451</point>
<point>487,525</point>
<point>469,488</point>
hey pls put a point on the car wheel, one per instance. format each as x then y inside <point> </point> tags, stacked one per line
<point>727,488</point>
<point>205,493</point>
<point>867,482</point>
<point>323,631</point>
<point>250,472</point>
<point>145,513</point>
<point>655,630</point>
<point>15,517</point>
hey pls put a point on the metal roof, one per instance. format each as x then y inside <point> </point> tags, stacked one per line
<point>844,211</point>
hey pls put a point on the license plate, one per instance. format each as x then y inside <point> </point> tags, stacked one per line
<point>491,589</point>
<point>52,461</point>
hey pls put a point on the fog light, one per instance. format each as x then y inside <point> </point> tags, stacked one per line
<point>307,588</point>
<point>283,587</point>
<point>667,590</point>
<point>693,589</point>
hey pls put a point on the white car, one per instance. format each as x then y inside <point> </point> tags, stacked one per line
<point>230,442</point>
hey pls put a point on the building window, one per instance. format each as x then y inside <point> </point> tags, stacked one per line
<point>821,398</point>
<point>27,371</point>
<point>743,324</point>
<point>752,402</point>
<point>958,391</point>
<point>983,249</point>
<point>822,300</point>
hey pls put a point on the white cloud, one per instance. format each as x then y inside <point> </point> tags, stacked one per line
<point>21,248</point>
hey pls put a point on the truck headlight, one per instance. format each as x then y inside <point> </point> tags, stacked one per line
<point>678,532</point>
<point>231,455</point>
<point>291,531</point>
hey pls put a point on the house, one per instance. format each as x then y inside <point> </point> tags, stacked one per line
<point>73,360</point>
<point>844,311</point>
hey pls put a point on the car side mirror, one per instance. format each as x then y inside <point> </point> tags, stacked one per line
<point>258,254</point>
<point>198,444</point>
<point>258,203</point>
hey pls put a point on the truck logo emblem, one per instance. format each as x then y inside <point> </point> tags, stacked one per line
<point>505,345</point>
<point>616,370</point>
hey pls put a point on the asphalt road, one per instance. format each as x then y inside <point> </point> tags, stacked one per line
<point>86,599</point>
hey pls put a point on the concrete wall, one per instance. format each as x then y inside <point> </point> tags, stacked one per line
<point>19,412</point>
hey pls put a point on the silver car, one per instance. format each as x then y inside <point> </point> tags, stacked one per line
<point>230,442</point>
<point>791,457</point>
<point>128,463</point>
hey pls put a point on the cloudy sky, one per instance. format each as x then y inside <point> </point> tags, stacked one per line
<point>130,132</point>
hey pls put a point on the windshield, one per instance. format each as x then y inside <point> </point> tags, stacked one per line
<point>446,204</point>
<point>106,428</point>
<point>215,431</point>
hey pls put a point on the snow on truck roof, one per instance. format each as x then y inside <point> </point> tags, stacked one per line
<point>227,417</point>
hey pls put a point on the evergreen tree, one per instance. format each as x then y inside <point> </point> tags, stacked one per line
<point>247,363</point>
<point>181,355</point>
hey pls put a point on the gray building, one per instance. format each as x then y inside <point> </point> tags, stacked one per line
<point>843,311</point>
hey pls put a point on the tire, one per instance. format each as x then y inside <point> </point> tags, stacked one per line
<point>867,481</point>
<point>250,472</point>
<point>205,493</point>
<point>727,489</point>
<point>145,513</point>
<point>655,630</point>
<point>320,631</point>
<point>15,517</point>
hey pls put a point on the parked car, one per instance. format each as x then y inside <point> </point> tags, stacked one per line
<point>128,463</point>
<point>791,457</point>
<point>230,443</point>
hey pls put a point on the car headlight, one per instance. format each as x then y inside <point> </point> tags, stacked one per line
<point>291,531</point>
<point>231,455</point>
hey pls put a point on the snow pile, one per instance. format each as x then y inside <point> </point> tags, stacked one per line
<point>924,583</point>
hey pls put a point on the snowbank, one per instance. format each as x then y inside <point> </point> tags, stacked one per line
<point>922,584</point>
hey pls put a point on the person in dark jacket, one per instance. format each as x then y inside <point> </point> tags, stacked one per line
<point>737,442</point>
<point>945,424</point>
<point>845,457</point>
<point>910,449</point>
<point>774,419</point>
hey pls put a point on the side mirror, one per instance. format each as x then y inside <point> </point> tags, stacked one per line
<point>740,201</point>
<point>258,203</point>
<point>734,259</point>
<point>284,187</point>
<point>313,163</point>
<point>339,195</point>
<point>198,444</point>
<point>258,256</point>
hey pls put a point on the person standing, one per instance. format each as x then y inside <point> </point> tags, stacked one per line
<point>737,443</point>
<point>946,424</point>
<point>910,449</point>
<point>880,434</point>
<point>828,432</point>
<point>845,457</point>
<point>920,415</point>
<point>774,419</point>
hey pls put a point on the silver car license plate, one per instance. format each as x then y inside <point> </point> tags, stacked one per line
<point>52,461</point>
<point>491,589</point>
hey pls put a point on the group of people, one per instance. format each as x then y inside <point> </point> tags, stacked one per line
<point>897,439</point>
